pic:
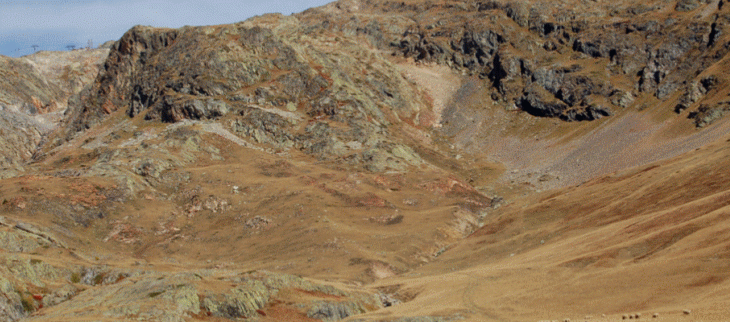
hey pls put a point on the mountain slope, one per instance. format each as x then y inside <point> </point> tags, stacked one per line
<point>384,161</point>
<point>643,240</point>
<point>34,94</point>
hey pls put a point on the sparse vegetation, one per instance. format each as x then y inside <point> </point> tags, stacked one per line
<point>98,279</point>
<point>75,278</point>
<point>27,305</point>
<point>288,168</point>
<point>155,294</point>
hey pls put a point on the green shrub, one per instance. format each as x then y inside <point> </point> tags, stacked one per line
<point>75,278</point>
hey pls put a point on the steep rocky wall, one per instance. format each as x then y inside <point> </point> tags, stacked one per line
<point>20,134</point>
<point>285,81</point>
<point>286,87</point>
<point>573,61</point>
<point>34,94</point>
<point>23,87</point>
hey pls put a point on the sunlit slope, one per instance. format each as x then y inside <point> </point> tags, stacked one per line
<point>652,239</point>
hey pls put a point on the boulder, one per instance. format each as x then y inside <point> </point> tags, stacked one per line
<point>708,114</point>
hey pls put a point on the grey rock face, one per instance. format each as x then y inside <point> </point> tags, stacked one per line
<point>695,92</point>
<point>688,5</point>
<point>706,114</point>
<point>334,311</point>
<point>34,91</point>
<point>264,127</point>
<point>193,109</point>
<point>11,307</point>
<point>262,82</point>
<point>20,135</point>
<point>157,67</point>
<point>101,275</point>
<point>622,99</point>
<point>538,102</point>
<point>660,52</point>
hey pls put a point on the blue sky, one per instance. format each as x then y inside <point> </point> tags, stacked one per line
<point>54,25</point>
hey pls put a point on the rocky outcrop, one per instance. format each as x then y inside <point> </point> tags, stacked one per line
<point>171,75</point>
<point>31,284</point>
<point>24,93</point>
<point>334,311</point>
<point>689,5</point>
<point>24,89</point>
<point>262,84</point>
<point>11,304</point>
<point>708,114</point>
<point>20,276</point>
<point>34,94</point>
<point>695,91</point>
<point>179,297</point>
<point>20,135</point>
<point>521,43</point>
<point>538,102</point>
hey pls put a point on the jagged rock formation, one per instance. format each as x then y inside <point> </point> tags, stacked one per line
<point>576,53</point>
<point>24,88</point>
<point>198,173</point>
<point>34,94</point>
<point>86,187</point>
<point>551,65</point>
<point>19,137</point>
<point>268,84</point>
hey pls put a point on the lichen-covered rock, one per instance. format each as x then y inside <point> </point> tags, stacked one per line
<point>334,311</point>
<point>264,127</point>
<point>101,275</point>
<point>176,109</point>
<point>622,98</point>
<point>18,241</point>
<point>22,85</point>
<point>20,135</point>
<point>11,306</point>
<point>62,294</point>
<point>178,296</point>
<point>264,81</point>
<point>157,67</point>
<point>241,302</point>
<point>538,102</point>
<point>696,90</point>
<point>707,114</point>
<point>688,5</point>
<point>35,272</point>
<point>34,91</point>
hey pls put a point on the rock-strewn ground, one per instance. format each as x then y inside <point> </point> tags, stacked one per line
<point>373,161</point>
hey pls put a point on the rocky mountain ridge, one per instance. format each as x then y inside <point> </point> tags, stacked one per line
<point>558,59</point>
<point>34,94</point>
<point>356,160</point>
